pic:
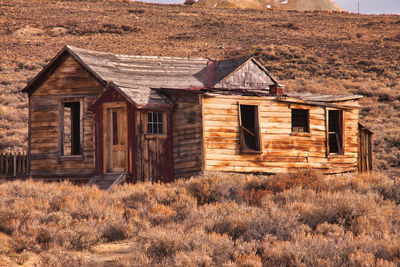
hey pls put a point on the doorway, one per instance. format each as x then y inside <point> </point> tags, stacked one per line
<point>115,140</point>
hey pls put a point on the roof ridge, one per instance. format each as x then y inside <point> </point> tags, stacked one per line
<point>77,49</point>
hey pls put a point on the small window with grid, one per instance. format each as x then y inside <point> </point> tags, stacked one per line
<point>300,122</point>
<point>155,124</point>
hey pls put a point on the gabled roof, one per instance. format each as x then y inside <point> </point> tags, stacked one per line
<point>220,71</point>
<point>133,75</point>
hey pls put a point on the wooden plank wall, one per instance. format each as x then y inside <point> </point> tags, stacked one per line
<point>69,80</point>
<point>154,152</point>
<point>365,162</point>
<point>282,150</point>
<point>187,138</point>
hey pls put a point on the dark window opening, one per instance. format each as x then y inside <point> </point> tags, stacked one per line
<point>155,124</point>
<point>335,131</point>
<point>249,130</point>
<point>71,137</point>
<point>300,121</point>
<point>115,127</point>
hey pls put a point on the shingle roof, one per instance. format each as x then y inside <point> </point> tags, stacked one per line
<point>226,67</point>
<point>136,75</point>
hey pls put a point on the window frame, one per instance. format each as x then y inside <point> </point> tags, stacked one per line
<point>164,125</point>
<point>308,130</point>
<point>341,149</point>
<point>243,148</point>
<point>61,105</point>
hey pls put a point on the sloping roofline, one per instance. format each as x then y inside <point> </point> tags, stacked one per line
<point>244,63</point>
<point>68,50</point>
<point>49,69</point>
<point>113,86</point>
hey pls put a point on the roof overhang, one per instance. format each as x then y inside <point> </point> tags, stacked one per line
<point>111,86</point>
<point>292,100</point>
<point>49,69</point>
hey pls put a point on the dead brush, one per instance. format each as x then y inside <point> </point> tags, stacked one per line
<point>256,190</point>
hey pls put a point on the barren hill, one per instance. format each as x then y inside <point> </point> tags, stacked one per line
<point>300,5</point>
<point>320,52</point>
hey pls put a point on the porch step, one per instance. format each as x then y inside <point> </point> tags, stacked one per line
<point>108,180</point>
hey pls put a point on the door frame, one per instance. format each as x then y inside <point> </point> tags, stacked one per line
<point>106,107</point>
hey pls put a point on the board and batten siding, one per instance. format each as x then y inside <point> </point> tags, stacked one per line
<point>282,150</point>
<point>69,81</point>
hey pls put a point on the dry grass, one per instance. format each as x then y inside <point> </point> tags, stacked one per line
<point>319,52</point>
<point>225,220</point>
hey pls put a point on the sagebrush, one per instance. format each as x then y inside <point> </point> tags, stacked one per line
<point>219,220</point>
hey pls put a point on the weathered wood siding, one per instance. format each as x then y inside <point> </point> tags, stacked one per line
<point>187,138</point>
<point>154,158</point>
<point>111,96</point>
<point>249,76</point>
<point>70,80</point>
<point>282,150</point>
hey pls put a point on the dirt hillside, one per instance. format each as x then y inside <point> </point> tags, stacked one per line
<point>299,5</point>
<point>317,52</point>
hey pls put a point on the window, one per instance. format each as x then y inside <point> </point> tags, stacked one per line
<point>155,123</point>
<point>249,129</point>
<point>335,131</point>
<point>300,121</point>
<point>70,129</point>
<point>115,127</point>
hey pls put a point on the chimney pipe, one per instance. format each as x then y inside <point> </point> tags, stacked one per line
<point>276,89</point>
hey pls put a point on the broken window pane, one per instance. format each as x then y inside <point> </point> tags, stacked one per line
<point>300,122</point>
<point>249,133</point>
<point>335,131</point>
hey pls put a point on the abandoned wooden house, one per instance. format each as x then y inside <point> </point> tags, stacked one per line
<point>95,114</point>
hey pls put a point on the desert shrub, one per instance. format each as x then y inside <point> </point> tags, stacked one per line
<point>248,223</point>
<point>192,258</point>
<point>306,179</point>
<point>215,189</point>
<point>222,248</point>
<point>83,238</point>
<point>58,258</point>
<point>5,248</point>
<point>160,213</point>
<point>205,190</point>
<point>163,244</point>
<point>114,232</point>
<point>389,189</point>
<point>306,220</point>
<point>253,197</point>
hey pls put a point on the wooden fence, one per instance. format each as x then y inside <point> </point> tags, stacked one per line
<point>13,164</point>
